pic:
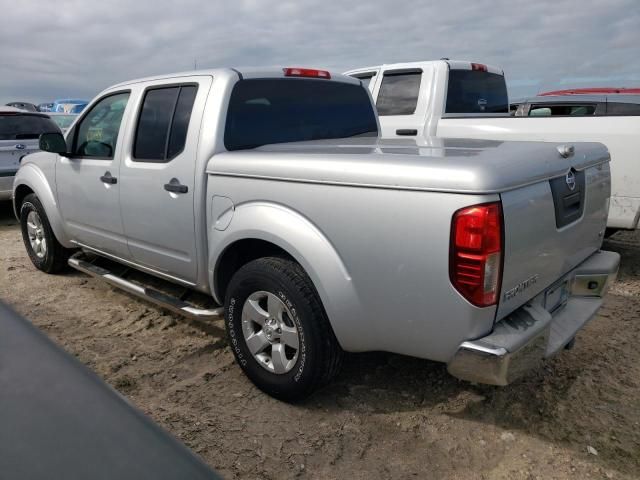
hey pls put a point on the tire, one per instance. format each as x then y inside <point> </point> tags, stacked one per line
<point>253,290</point>
<point>53,258</point>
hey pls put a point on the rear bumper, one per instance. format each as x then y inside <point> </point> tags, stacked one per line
<point>521,341</point>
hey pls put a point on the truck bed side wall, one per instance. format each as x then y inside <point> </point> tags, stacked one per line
<point>379,258</point>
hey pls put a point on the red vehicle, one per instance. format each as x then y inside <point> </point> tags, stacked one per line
<point>592,91</point>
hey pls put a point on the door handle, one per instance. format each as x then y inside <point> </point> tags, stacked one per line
<point>108,179</point>
<point>408,132</point>
<point>174,186</point>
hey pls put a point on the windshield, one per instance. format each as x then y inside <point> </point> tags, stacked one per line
<point>267,111</point>
<point>24,127</point>
<point>476,91</point>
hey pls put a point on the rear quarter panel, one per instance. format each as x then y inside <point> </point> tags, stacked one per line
<point>390,287</point>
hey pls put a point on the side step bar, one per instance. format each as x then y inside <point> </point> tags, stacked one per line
<point>154,296</point>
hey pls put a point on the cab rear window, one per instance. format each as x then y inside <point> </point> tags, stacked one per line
<point>25,127</point>
<point>476,91</point>
<point>272,110</point>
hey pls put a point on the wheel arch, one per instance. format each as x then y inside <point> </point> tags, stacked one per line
<point>258,230</point>
<point>30,179</point>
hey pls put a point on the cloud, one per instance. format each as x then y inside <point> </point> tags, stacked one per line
<point>76,48</point>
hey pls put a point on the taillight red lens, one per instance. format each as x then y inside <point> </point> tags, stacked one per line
<point>479,67</point>
<point>475,265</point>
<point>306,72</point>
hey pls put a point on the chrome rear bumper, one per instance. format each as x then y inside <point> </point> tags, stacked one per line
<point>521,341</point>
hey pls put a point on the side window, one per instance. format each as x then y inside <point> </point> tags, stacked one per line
<point>97,132</point>
<point>365,78</point>
<point>562,110</point>
<point>163,123</point>
<point>623,109</point>
<point>399,93</point>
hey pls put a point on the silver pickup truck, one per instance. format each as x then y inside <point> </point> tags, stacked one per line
<point>270,191</point>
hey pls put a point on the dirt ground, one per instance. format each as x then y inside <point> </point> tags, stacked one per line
<point>386,416</point>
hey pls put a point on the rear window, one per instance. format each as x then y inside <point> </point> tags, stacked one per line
<point>475,91</point>
<point>24,127</point>
<point>561,110</point>
<point>267,111</point>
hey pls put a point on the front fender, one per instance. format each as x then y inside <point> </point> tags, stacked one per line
<point>31,175</point>
<point>301,239</point>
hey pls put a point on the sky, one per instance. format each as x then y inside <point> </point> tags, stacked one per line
<point>76,48</point>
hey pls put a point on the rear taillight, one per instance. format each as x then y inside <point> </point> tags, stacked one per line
<point>306,72</point>
<point>479,67</point>
<point>475,264</point>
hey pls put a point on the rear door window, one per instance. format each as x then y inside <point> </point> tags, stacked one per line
<point>25,127</point>
<point>365,78</point>
<point>476,91</point>
<point>163,123</point>
<point>398,93</point>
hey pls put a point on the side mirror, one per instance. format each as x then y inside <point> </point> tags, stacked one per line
<point>53,142</point>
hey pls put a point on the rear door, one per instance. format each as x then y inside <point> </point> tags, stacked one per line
<point>87,180</point>
<point>400,104</point>
<point>158,177</point>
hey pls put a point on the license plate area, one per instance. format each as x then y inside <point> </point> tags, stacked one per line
<point>556,296</point>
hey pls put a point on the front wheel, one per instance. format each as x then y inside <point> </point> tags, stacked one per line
<point>278,330</point>
<point>44,250</point>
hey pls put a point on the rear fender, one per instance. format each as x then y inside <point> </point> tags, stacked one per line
<point>300,238</point>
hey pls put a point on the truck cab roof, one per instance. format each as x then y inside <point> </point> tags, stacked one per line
<point>243,72</point>
<point>452,64</point>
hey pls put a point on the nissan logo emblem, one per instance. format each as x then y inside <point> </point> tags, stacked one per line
<point>571,180</point>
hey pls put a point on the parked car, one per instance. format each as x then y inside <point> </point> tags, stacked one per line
<point>29,107</point>
<point>45,107</point>
<point>593,91</point>
<point>273,194</point>
<point>454,99</point>
<point>63,120</point>
<point>19,133</point>
<point>52,391</point>
<point>69,105</point>
<point>574,105</point>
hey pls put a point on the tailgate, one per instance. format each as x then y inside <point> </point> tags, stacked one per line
<point>551,227</point>
<point>12,151</point>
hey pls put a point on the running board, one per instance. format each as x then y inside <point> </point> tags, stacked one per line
<point>154,296</point>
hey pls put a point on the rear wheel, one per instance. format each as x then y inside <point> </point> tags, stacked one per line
<point>278,330</point>
<point>43,248</point>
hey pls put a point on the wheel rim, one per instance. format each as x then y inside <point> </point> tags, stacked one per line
<point>35,232</point>
<point>270,332</point>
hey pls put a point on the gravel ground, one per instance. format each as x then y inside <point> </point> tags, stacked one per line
<point>386,416</point>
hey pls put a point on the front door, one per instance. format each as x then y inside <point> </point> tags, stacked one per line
<point>158,178</point>
<point>87,180</point>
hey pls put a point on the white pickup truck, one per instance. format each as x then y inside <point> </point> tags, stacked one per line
<point>455,99</point>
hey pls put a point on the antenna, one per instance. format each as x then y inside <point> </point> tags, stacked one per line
<point>195,63</point>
